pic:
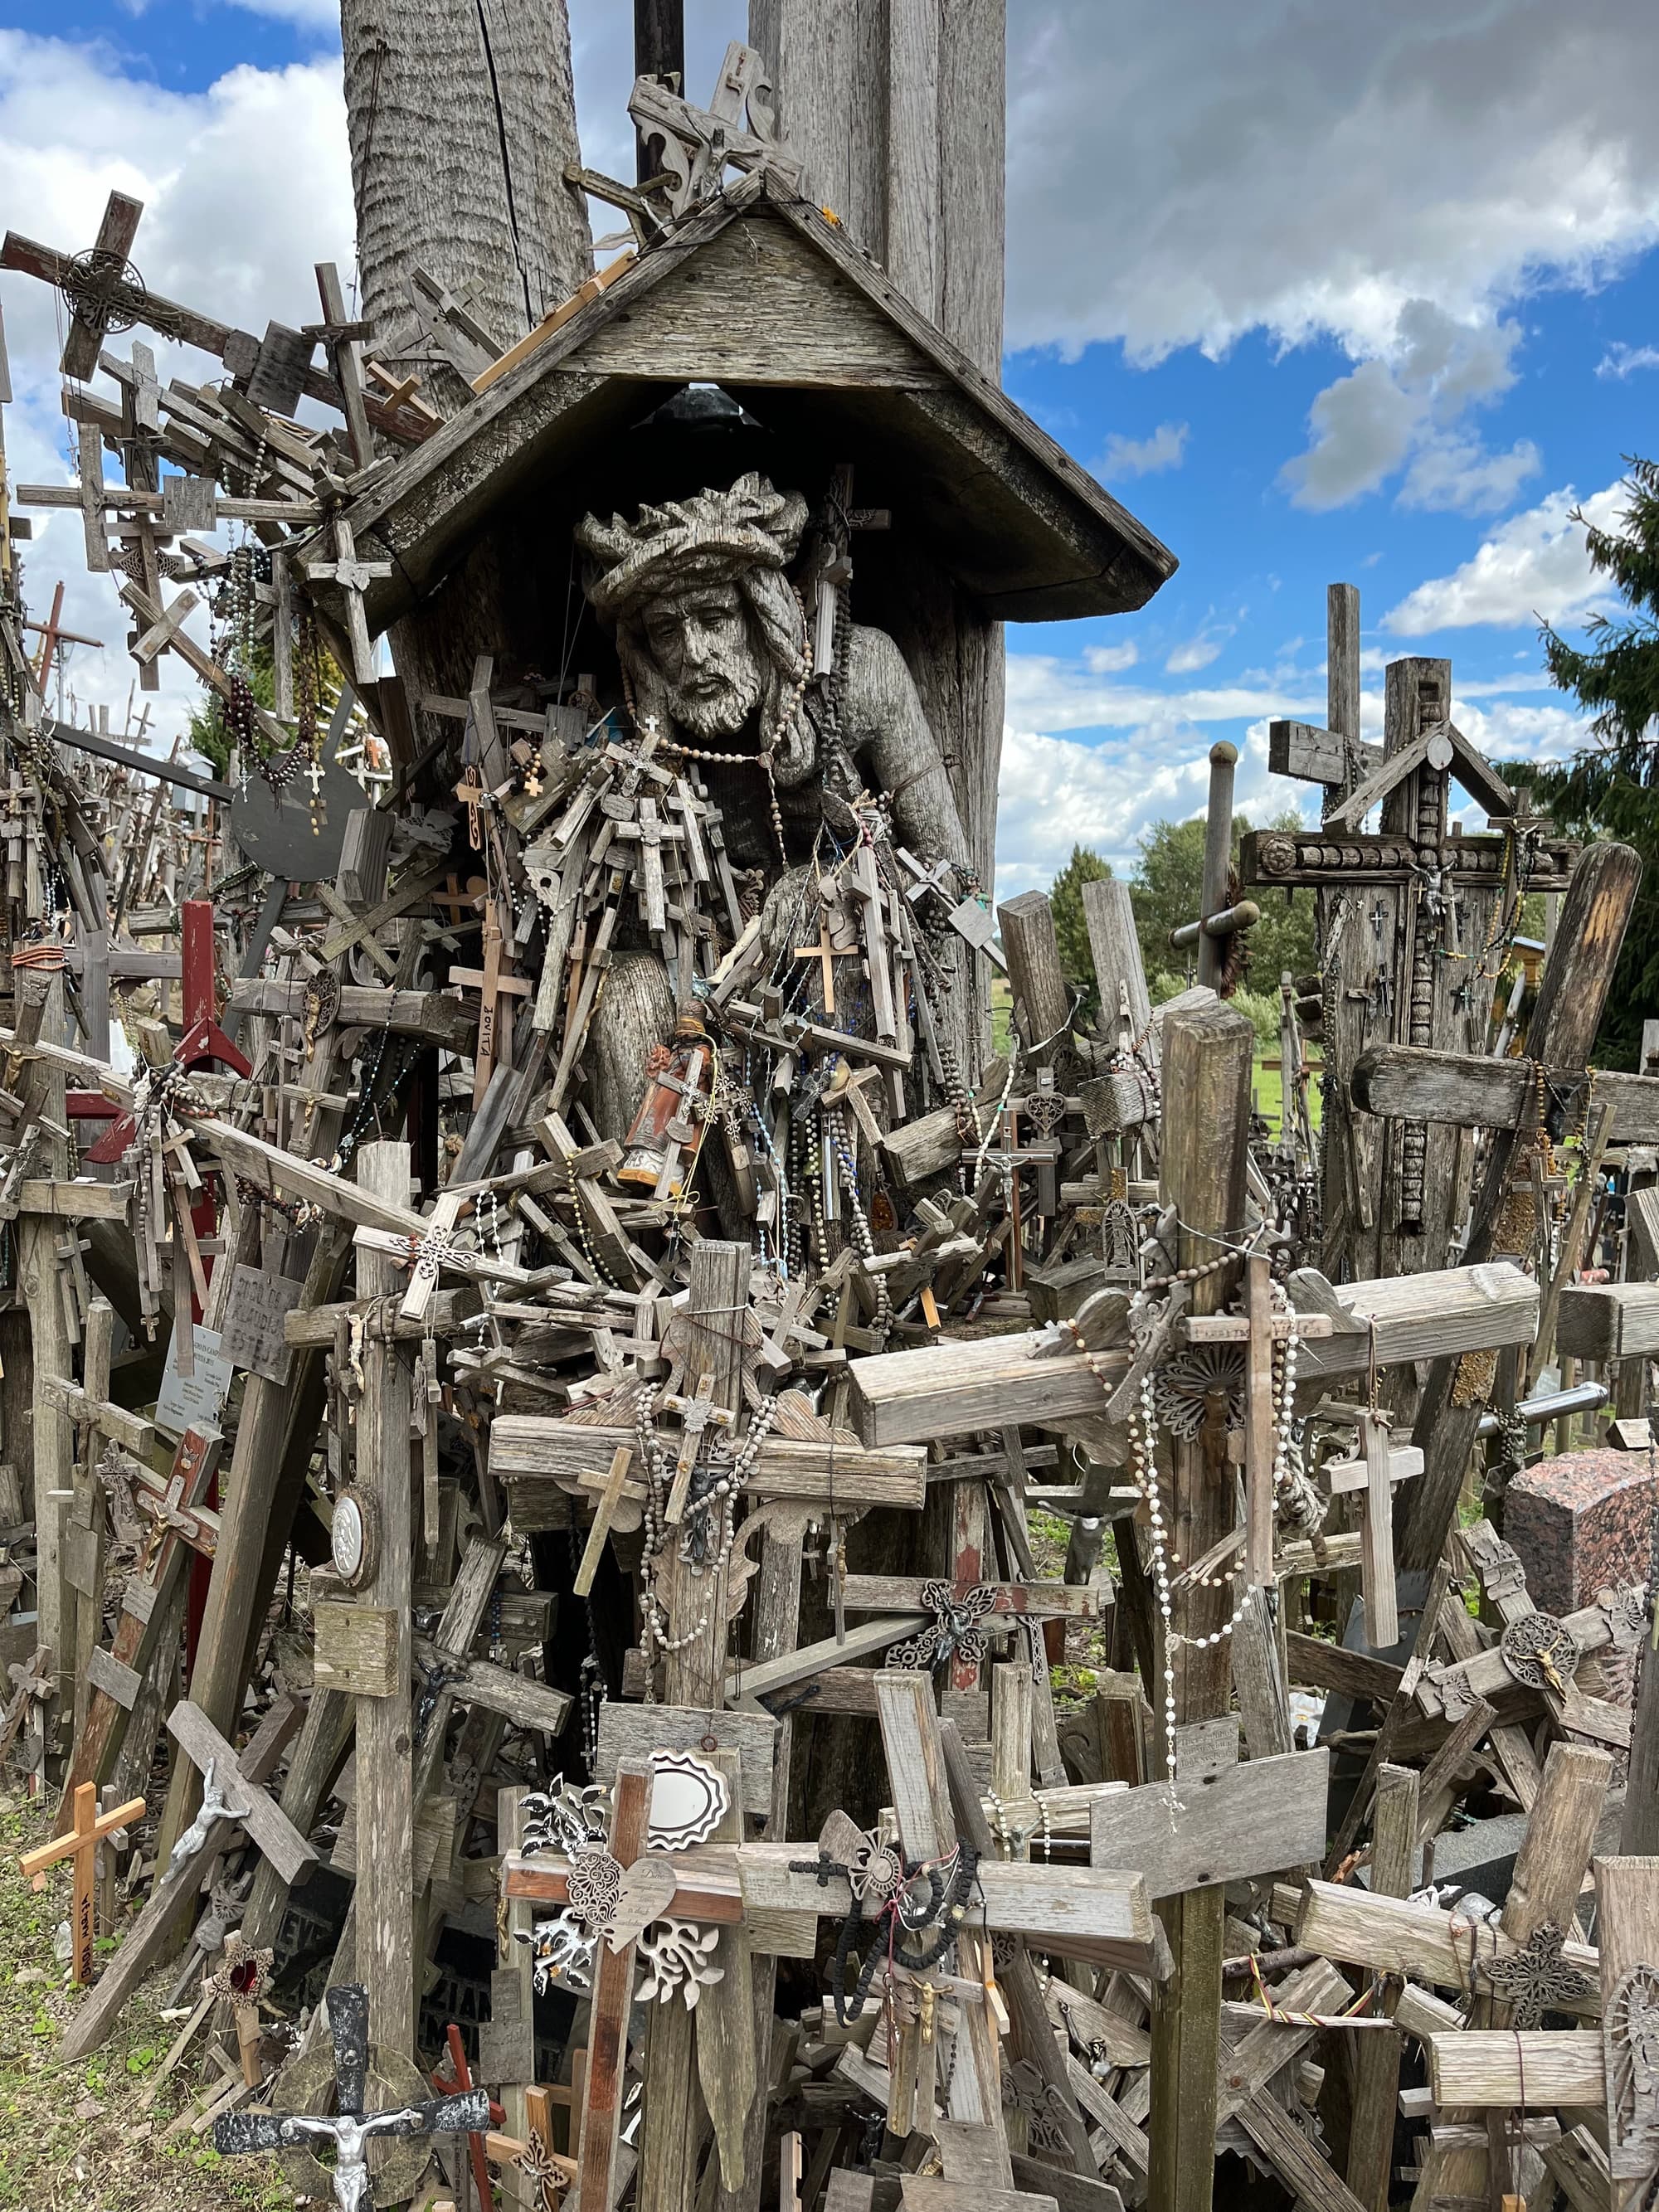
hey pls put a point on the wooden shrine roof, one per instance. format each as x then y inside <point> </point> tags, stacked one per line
<point>766,297</point>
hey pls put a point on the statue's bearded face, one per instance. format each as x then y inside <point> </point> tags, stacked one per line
<point>703,644</point>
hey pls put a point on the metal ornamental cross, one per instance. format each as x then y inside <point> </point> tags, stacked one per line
<point>350,2130</point>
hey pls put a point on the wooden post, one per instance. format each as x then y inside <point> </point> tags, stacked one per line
<point>1341,676</point>
<point>1043,1001</point>
<point>40,1001</point>
<point>695,1676</point>
<point>658,51</point>
<point>1207,1072</point>
<point>386,1880</point>
<point>1218,860</point>
<point>1377,2058</point>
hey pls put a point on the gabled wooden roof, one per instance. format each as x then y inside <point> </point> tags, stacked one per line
<point>1472,770</point>
<point>765,295</point>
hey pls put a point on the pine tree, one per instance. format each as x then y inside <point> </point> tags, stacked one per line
<point>1611,787</point>
<point>1070,929</point>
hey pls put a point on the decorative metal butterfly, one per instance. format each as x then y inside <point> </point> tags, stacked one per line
<point>953,1631</point>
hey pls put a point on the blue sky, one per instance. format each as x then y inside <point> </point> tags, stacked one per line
<point>1321,292</point>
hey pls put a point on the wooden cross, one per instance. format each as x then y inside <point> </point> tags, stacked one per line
<point>1374,1467</point>
<point>81,1843</point>
<point>98,288</point>
<point>695,1413</point>
<point>352,576</point>
<point>824,953</point>
<point>496,986</point>
<point>51,636</point>
<point>236,1798</point>
<point>610,1498</point>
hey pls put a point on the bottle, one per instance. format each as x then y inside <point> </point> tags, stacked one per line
<point>665,1125</point>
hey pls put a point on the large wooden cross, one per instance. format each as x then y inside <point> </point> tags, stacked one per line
<point>1407,916</point>
<point>239,1800</point>
<point>181,1524</point>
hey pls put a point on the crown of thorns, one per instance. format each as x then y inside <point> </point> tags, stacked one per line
<point>751,525</point>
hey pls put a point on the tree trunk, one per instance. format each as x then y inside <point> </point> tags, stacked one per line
<point>461,118</point>
<point>897,109</point>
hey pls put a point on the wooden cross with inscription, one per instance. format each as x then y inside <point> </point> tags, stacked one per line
<point>80,1841</point>
<point>497,986</point>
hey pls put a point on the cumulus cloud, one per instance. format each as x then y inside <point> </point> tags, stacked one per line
<point>1621,361</point>
<point>1533,567</point>
<point>1402,405</point>
<point>215,233</point>
<point>1144,456</point>
<point>1310,171</point>
<point>1461,476</point>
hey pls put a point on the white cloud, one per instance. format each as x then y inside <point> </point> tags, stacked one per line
<point>1402,405</point>
<point>215,234</point>
<point>1110,659</point>
<point>1144,456</point>
<point>1310,171</point>
<point>1533,566</point>
<point>1620,360</point>
<point>1363,426</point>
<point>1197,653</point>
<point>322,17</point>
<point>1458,475</point>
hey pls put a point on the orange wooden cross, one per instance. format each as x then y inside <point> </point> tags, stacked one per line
<point>82,1841</point>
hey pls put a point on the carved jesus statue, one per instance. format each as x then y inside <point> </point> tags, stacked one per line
<point>712,637</point>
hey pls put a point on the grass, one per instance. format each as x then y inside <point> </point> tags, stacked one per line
<point>74,2138</point>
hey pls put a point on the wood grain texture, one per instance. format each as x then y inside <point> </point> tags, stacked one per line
<point>1206,1073</point>
<point>1377,2058</point>
<point>1232,1825</point>
<point>384,1771</point>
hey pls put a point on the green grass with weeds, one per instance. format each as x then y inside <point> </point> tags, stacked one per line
<point>77,2138</point>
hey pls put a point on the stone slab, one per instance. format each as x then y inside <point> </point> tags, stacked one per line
<point>1581,1522</point>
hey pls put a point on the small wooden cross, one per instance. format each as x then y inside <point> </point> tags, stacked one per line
<point>33,1681</point>
<point>496,986</point>
<point>1375,1468</point>
<point>610,1498</point>
<point>824,953</point>
<point>353,576</point>
<point>695,1413</point>
<point>472,794</point>
<point>82,1844</point>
